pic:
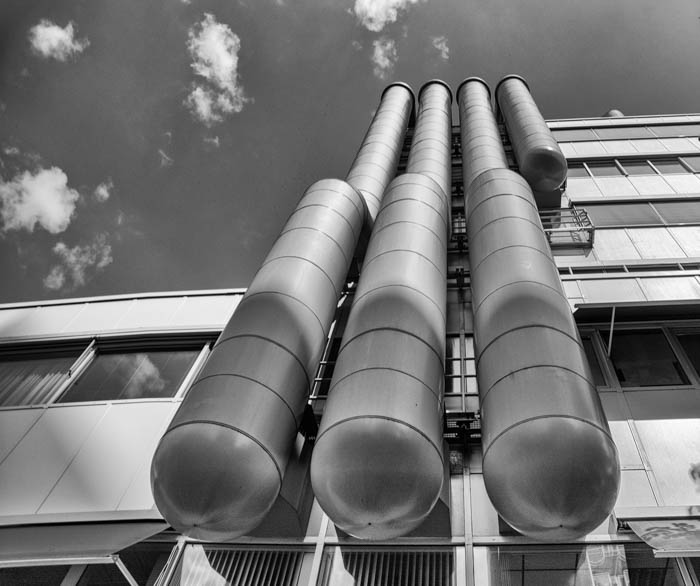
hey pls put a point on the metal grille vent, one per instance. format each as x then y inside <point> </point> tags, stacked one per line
<point>237,567</point>
<point>407,567</point>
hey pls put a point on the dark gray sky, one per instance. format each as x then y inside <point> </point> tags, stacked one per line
<point>160,145</point>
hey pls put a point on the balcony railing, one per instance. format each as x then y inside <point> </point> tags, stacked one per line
<point>568,228</point>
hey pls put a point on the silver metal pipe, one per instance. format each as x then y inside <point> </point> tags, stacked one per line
<point>537,152</point>
<point>377,466</point>
<point>550,465</point>
<point>376,161</point>
<point>482,148</point>
<point>219,467</point>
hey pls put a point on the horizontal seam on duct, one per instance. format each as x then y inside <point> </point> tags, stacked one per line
<point>421,225</point>
<point>500,218</point>
<point>326,234</point>
<point>471,208</point>
<point>418,431</point>
<point>442,272</point>
<point>274,343</point>
<point>512,177</point>
<point>305,259</point>
<point>547,255</point>
<point>360,210</point>
<point>593,425</point>
<point>345,343</point>
<point>336,382</point>
<point>406,179</point>
<point>234,375</point>
<point>511,283</point>
<point>389,201</point>
<point>525,327</point>
<point>232,428</point>
<point>269,292</point>
<point>482,396</point>
<point>331,208</point>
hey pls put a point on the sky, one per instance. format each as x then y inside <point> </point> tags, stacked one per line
<point>161,145</point>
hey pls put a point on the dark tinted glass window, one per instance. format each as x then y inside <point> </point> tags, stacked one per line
<point>577,170</point>
<point>631,564</point>
<point>605,169</point>
<point>598,378</point>
<point>622,132</point>
<point>622,214</point>
<point>691,345</point>
<point>676,130</point>
<point>102,575</point>
<point>638,168</point>
<point>679,212</point>
<point>32,378</point>
<point>694,162</point>
<point>36,576</point>
<point>132,375</point>
<point>643,358</point>
<point>669,166</point>
<point>574,134</point>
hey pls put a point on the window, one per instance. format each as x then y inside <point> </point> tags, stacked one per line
<point>644,358</point>
<point>630,214</point>
<point>620,132</point>
<point>690,341</point>
<point>675,130</point>
<point>604,169</point>
<point>669,166</point>
<point>32,375</point>
<point>637,168</point>
<point>577,170</point>
<point>632,564</point>
<point>574,134</point>
<point>693,162</point>
<point>137,374</point>
<point>103,371</point>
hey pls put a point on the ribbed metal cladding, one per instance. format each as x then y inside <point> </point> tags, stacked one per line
<point>377,465</point>
<point>376,161</point>
<point>243,567</point>
<point>550,465</point>
<point>220,464</point>
<point>537,152</point>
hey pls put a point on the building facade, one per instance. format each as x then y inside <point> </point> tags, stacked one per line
<point>476,360</point>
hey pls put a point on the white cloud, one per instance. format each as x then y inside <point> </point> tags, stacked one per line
<point>374,15</point>
<point>104,190</point>
<point>440,43</point>
<point>212,141</point>
<point>214,50</point>
<point>42,198</point>
<point>51,41</point>
<point>384,57</point>
<point>356,45</point>
<point>77,263</point>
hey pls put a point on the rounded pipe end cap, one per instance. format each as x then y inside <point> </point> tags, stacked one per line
<point>544,167</point>
<point>469,79</point>
<point>403,85</point>
<point>211,482</point>
<point>511,76</point>
<point>435,81</point>
<point>376,478</point>
<point>554,478</point>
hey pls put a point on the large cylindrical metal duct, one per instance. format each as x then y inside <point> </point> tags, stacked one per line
<point>537,152</point>
<point>550,465</point>
<point>482,148</point>
<point>377,467</point>
<point>376,161</point>
<point>220,464</point>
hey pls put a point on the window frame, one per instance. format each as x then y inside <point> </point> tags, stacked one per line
<point>199,342</point>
